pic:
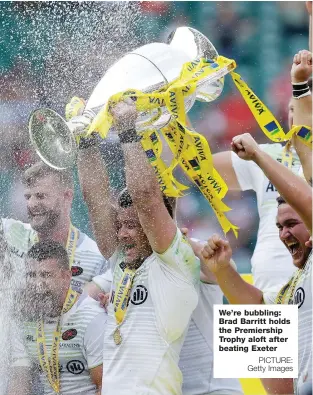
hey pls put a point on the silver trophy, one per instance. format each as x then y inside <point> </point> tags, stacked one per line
<point>147,69</point>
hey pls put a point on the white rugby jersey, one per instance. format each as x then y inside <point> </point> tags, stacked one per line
<point>81,347</point>
<point>88,261</point>
<point>271,262</point>
<point>196,358</point>
<point>163,297</point>
<point>303,298</point>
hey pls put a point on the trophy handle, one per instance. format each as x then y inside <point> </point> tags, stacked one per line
<point>52,139</point>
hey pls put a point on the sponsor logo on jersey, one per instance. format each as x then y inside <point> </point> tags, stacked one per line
<point>30,338</point>
<point>139,295</point>
<point>16,251</point>
<point>69,334</point>
<point>76,270</point>
<point>69,345</point>
<point>76,286</point>
<point>271,188</point>
<point>75,367</point>
<point>122,265</point>
<point>299,297</point>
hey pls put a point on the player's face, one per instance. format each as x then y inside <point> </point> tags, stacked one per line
<point>46,286</point>
<point>132,239</point>
<point>293,234</point>
<point>290,113</point>
<point>44,200</point>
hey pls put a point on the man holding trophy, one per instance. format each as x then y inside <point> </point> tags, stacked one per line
<point>155,272</point>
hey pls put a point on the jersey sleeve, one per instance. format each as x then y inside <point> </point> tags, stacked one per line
<point>181,258</point>
<point>244,172</point>
<point>93,340</point>
<point>104,281</point>
<point>101,266</point>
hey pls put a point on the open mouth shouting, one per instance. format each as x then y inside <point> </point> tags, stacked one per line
<point>294,247</point>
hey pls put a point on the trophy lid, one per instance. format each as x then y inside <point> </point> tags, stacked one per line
<point>52,139</point>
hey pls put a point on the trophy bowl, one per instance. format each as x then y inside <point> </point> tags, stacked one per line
<point>146,69</point>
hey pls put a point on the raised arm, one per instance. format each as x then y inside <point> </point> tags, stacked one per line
<point>301,71</point>
<point>223,164</point>
<point>142,183</point>
<point>292,187</point>
<point>95,186</point>
<point>94,180</point>
<point>217,257</point>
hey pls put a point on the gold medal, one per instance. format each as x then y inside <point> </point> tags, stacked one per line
<point>117,336</point>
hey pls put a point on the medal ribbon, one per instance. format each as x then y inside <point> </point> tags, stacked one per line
<point>122,294</point>
<point>50,366</point>
<point>287,290</point>
<point>190,149</point>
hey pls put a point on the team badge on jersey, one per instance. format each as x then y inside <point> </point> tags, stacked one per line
<point>69,334</point>
<point>299,297</point>
<point>75,367</point>
<point>139,295</point>
<point>76,270</point>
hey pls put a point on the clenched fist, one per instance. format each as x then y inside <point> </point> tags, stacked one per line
<point>217,254</point>
<point>124,115</point>
<point>245,146</point>
<point>301,69</point>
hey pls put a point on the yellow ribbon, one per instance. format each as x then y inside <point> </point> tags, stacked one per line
<point>122,294</point>
<point>287,291</point>
<point>171,95</point>
<point>303,133</point>
<point>191,150</point>
<point>50,366</point>
<point>265,119</point>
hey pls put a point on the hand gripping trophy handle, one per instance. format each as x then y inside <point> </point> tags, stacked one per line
<point>146,69</point>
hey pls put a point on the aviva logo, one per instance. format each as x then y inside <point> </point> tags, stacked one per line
<point>195,164</point>
<point>272,127</point>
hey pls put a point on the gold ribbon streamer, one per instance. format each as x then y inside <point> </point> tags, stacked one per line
<point>303,133</point>
<point>190,149</point>
<point>170,95</point>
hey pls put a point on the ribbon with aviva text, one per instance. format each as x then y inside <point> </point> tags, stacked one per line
<point>190,149</point>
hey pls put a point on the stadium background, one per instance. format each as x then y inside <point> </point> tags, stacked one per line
<point>51,51</point>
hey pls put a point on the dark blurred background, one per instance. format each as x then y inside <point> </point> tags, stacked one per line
<point>51,51</point>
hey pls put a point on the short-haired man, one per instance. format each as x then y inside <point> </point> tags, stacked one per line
<point>62,332</point>
<point>49,195</point>
<point>294,222</point>
<point>155,273</point>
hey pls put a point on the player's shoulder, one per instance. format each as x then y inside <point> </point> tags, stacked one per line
<point>10,223</point>
<point>87,244</point>
<point>16,231</point>
<point>273,149</point>
<point>89,307</point>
